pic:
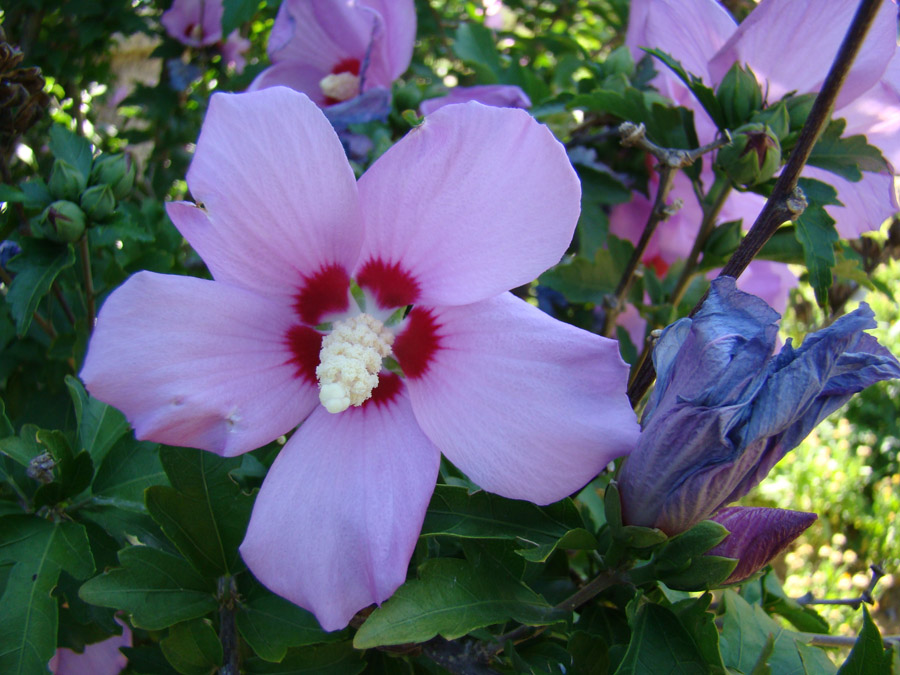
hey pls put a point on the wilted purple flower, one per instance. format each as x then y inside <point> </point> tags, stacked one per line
<point>757,535</point>
<point>497,95</point>
<point>472,202</point>
<point>198,23</point>
<point>725,410</point>
<point>334,50</point>
<point>707,41</point>
<point>8,250</point>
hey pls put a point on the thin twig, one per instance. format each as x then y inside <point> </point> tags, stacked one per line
<point>65,305</point>
<point>785,201</point>
<point>85,251</point>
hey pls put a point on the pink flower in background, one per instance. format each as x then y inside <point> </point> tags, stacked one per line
<point>198,23</point>
<point>334,50</point>
<point>707,41</point>
<point>498,95</point>
<point>99,658</point>
<point>474,201</point>
<point>675,236</point>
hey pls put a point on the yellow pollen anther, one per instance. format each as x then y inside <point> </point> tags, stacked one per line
<point>349,361</point>
<point>340,86</point>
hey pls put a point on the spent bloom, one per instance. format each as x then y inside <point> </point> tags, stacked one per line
<point>725,409</point>
<point>499,95</point>
<point>789,46</point>
<point>335,50</point>
<point>375,313</point>
<point>198,23</point>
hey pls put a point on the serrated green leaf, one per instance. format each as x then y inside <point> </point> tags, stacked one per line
<point>720,244</point>
<point>583,280</point>
<point>847,157</point>
<point>204,513</point>
<point>455,513</point>
<point>815,231</point>
<point>30,618</point>
<point>128,469</point>
<point>71,147</point>
<point>236,13</point>
<point>193,647</point>
<point>36,269</point>
<point>27,538</point>
<point>868,656</point>
<point>745,630</point>
<point>660,644</point>
<point>700,623</point>
<point>475,45</point>
<point>775,600</point>
<point>271,625</point>
<point>783,246</point>
<point>72,472</point>
<point>339,658</point>
<point>158,589</point>
<point>99,425</point>
<point>452,598</point>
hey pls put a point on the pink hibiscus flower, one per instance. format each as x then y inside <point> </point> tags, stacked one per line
<point>334,50</point>
<point>198,23</point>
<point>436,357</point>
<point>806,36</point>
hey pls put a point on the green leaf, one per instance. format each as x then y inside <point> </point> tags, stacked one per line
<point>237,13</point>
<point>816,233</point>
<point>847,157</point>
<point>71,147</point>
<point>193,648</point>
<point>36,269</point>
<point>474,44</point>
<point>868,656</point>
<point>453,598</point>
<point>99,425</point>
<point>6,428</point>
<point>27,538</point>
<point>697,620</point>
<point>72,473</point>
<point>783,246</point>
<point>30,618</point>
<point>660,644</point>
<point>10,193</point>
<point>745,631</point>
<point>204,513</point>
<point>339,658</point>
<point>705,95</point>
<point>24,447</point>
<point>158,589</point>
<point>775,600</point>
<point>271,625</point>
<point>583,280</point>
<point>539,530</point>
<point>720,244</point>
<point>127,470</point>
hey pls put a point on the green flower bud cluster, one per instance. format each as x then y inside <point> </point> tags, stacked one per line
<point>752,157</point>
<point>80,200</point>
<point>739,96</point>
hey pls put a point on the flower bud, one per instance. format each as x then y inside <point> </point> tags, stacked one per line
<point>117,171</point>
<point>739,95</point>
<point>799,108</point>
<point>752,157</point>
<point>98,202</point>
<point>66,182</point>
<point>62,221</point>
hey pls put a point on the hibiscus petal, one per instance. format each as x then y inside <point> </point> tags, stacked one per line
<point>474,201</point>
<point>866,203</point>
<point>297,76</point>
<point>320,33</point>
<point>399,34</point>
<point>529,407</point>
<point>807,36</point>
<point>280,194</point>
<point>339,513</point>
<point>197,363</point>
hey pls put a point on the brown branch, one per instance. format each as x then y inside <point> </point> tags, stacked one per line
<point>786,202</point>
